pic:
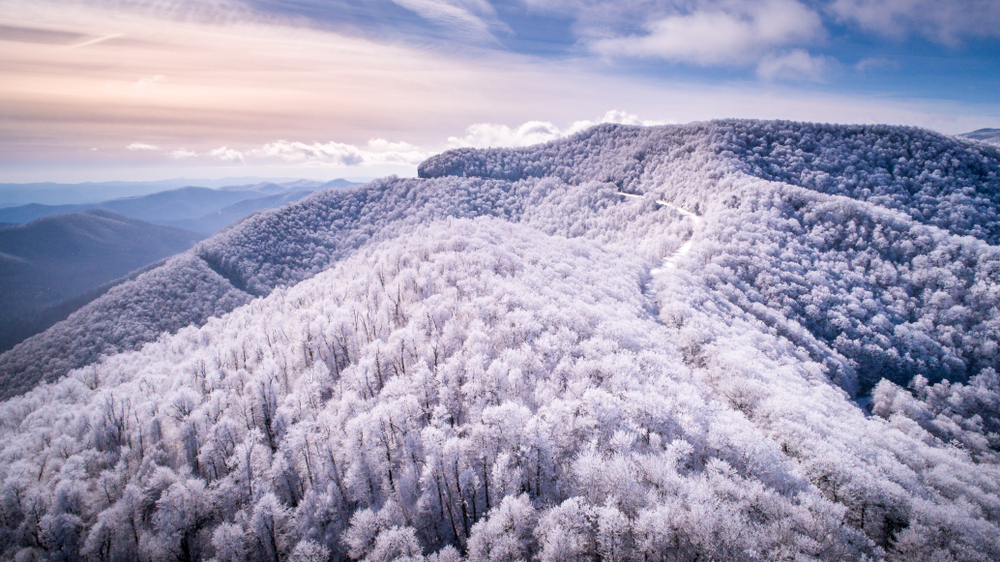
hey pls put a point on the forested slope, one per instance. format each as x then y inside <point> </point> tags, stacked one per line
<point>888,290</point>
<point>49,262</point>
<point>483,388</point>
<point>508,358</point>
<point>284,246</point>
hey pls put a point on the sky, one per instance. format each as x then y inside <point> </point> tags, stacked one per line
<point>135,90</point>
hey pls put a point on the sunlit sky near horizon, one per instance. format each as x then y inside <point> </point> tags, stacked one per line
<point>151,89</point>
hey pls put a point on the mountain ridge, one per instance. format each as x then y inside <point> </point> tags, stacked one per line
<point>698,150</point>
<point>195,208</point>
<point>633,344</point>
<point>52,193</point>
<point>51,263</point>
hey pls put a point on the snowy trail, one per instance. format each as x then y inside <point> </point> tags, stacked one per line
<point>670,261</point>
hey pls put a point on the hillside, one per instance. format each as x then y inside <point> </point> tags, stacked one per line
<point>199,209</point>
<point>50,262</point>
<point>733,340</point>
<point>48,193</point>
<point>169,208</point>
<point>215,221</point>
<point>991,136</point>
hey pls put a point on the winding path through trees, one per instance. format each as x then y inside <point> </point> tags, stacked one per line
<point>670,261</point>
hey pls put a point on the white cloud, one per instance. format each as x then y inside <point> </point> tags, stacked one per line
<point>613,116</point>
<point>226,154</point>
<point>340,154</point>
<point>724,33</point>
<point>96,40</point>
<point>182,153</point>
<point>484,135</point>
<point>797,65</point>
<point>141,146</point>
<point>147,84</point>
<point>383,145</point>
<point>875,64</point>
<point>946,21</point>
<point>470,18</point>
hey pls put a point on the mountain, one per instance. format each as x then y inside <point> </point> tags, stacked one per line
<point>217,220</point>
<point>733,340</point>
<point>48,264</point>
<point>991,136</point>
<point>48,193</point>
<point>174,204</point>
<point>196,208</point>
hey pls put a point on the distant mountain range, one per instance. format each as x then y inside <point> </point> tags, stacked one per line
<point>51,266</point>
<point>56,258</point>
<point>48,193</point>
<point>199,209</point>
<point>991,136</point>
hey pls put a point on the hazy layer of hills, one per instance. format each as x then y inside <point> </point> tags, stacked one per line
<point>199,209</point>
<point>991,136</point>
<point>733,340</point>
<point>17,194</point>
<point>67,255</point>
<point>48,265</point>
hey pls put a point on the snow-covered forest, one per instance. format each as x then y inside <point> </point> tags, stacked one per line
<point>722,341</point>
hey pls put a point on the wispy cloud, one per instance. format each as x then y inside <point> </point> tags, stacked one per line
<point>262,70</point>
<point>382,153</point>
<point>472,19</point>
<point>141,146</point>
<point>147,84</point>
<point>943,21</point>
<point>484,135</point>
<point>719,34</point>
<point>796,65</point>
<point>384,145</point>
<point>95,41</point>
<point>182,153</point>
<point>875,64</point>
<point>226,154</point>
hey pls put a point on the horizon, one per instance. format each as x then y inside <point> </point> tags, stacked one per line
<point>222,181</point>
<point>142,91</point>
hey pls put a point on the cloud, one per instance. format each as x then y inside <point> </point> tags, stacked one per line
<point>146,85</point>
<point>96,40</point>
<point>381,153</point>
<point>796,65</point>
<point>469,18</point>
<point>341,154</point>
<point>383,145</point>
<point>35,35</point>
<point>875,63</point>
<point>613,116</point>
<point>226,154</point>
<point>484,135</point>
<point>943,21</point>
<point>141,146</point>
<point>719,33</point>
<point>181,154</point>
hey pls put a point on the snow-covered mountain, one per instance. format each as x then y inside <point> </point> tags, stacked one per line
<point>991,136</point>
<point>732,340</point>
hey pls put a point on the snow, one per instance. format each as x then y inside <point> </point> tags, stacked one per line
<point>467,365</point>
<point>670,261</point>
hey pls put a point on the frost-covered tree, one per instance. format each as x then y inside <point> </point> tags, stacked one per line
<point>498,363</point>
